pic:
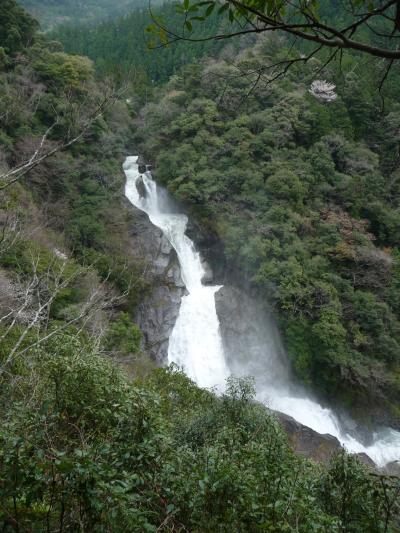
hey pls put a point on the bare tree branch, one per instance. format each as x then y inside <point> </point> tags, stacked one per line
<point>41,155</point>
<point>38,294</point>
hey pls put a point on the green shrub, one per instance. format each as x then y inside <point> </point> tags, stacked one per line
<point>123,336</point>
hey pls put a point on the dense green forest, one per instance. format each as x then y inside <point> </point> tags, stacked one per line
<point>302,196</point>
<point>120,48</point>
<point>50,13</point>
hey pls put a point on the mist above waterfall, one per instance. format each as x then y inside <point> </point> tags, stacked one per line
<point>196,343</point>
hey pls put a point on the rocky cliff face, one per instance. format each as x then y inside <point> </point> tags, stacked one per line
<point>250,338</point>
<point>211,249</point>
<point>157,314</point>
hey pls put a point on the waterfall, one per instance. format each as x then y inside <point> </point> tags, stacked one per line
<point>195,343</point>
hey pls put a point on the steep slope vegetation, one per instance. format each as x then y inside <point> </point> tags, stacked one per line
<point>65,232</point>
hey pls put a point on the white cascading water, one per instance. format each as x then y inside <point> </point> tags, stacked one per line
<point>196,346</point>
<point>195,343</point>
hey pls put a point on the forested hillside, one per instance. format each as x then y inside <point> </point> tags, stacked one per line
<point>50,13</point>
<point>304,196</point>
<point>63,264</point>
<point>120,48</point>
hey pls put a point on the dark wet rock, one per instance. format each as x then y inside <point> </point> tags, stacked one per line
<point>392,469</point>
<point>157,313</point>
<point>382,413</point>
<point>208,277</point>
<point>365,459</point>
<point>233,311</point>
<point>142,167</point>
<point>140,187</point>
<point>307,442</point>
<point>319,447</point>
<point>211,251</point>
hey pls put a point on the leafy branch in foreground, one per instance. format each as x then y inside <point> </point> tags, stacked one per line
<point>369,28</point>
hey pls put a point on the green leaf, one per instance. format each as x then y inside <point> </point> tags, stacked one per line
<point>210,9</point>
<point>188,25</point>
<point>65,466</point>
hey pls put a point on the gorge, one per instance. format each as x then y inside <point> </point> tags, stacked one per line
<point>197,346</point>
<point>209,342</point>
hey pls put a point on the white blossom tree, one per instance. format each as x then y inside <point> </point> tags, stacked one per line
<point>323,90</point>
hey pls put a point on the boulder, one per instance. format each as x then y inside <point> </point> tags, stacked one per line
<point>307,442</point>
<point>142,167</point>
<point>365,459</point>
<point>392,469</point>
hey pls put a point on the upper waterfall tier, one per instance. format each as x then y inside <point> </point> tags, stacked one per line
<point>195,343</point>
